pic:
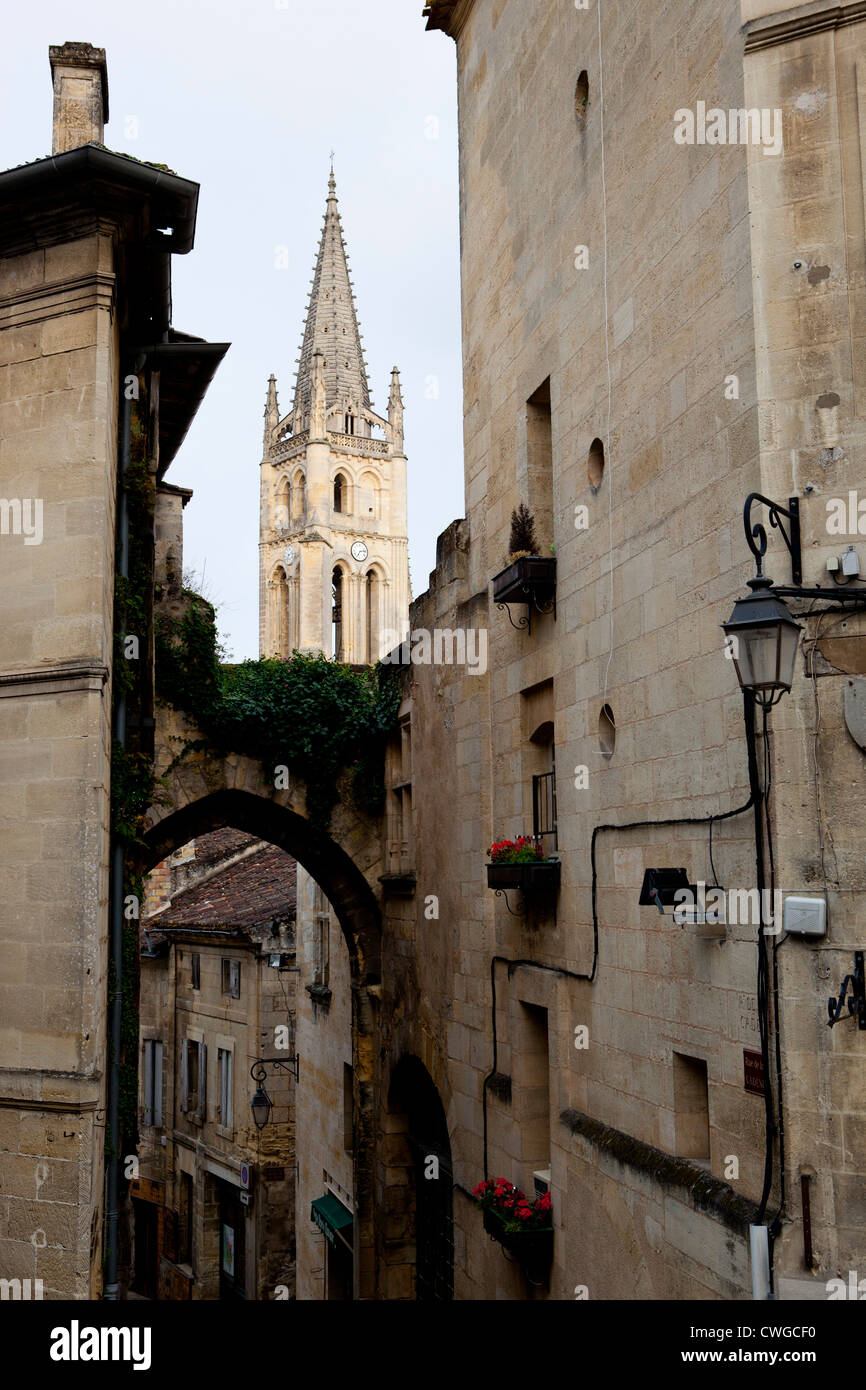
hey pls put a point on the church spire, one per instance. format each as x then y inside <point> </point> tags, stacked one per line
<point>331,328</point>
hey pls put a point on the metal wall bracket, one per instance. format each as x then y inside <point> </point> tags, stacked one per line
<point>756,536</point>
<point>501,893</point>
<point>856,1000</point>
<point>525,623</point>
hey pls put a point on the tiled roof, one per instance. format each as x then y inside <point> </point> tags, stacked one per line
<point>219,844</point>
<point>251,891</point>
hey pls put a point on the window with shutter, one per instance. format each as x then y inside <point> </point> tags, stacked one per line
<point>148,1082</point>
<point>157,1084</point>
<point>184,1075</point>
<point>201,1108</point>
<point>224,1066</point>
<point>152,1080</point>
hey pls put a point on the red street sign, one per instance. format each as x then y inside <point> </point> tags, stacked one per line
<point>753,1071</point>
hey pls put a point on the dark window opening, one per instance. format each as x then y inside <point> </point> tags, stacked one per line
<point>231,978</point>
<point>691,1107</point>
<point>337,614</point>
<point>539,464</point>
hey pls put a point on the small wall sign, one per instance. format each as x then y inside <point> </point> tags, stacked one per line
<point>753,1071</point>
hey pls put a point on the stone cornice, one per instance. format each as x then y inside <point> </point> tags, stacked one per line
<point>54,680</point>
<point>700,1188</point>
<point>59,297</point>
<point>448,15</point>
<point>785,26</point>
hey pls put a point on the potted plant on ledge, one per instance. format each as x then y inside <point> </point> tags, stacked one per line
<point>523,1228</point>
<point>521,864</point>
<point>528,577</point>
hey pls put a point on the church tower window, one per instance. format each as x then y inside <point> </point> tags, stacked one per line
<point>340,494</point>
<point>337,613</point>
<point>372,617</point>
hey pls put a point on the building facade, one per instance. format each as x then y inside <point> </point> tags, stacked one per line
<point>214,1196</point>
<point>92,376</point>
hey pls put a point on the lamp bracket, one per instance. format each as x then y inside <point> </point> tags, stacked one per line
<point>756,536</point>
<point>856,1000</point>
<point>259,1073</point>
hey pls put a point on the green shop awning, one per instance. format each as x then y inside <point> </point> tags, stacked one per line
<point>332,1218</point>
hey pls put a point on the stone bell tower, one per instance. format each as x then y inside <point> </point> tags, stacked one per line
<point>334,560</point>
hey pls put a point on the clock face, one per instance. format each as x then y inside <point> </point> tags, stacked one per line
<point>289,554</point>
<point>359,551</point>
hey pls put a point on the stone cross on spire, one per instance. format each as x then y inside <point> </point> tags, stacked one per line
<point>332,327</point>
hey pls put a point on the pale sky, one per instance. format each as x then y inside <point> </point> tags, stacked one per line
<point>248,99</point>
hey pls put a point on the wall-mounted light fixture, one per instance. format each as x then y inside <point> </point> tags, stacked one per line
<point>764,640</point>
<point>261,1104</point>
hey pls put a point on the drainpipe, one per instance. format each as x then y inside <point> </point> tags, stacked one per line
<point>110,1287</point>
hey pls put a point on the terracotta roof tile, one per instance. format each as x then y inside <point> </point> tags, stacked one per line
<point>254,890</point>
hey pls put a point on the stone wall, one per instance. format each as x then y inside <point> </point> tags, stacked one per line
<point>704,341</point>
<point>58,418</point>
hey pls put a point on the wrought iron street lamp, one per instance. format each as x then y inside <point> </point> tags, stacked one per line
<point>261,1104</point>
<point>764,640</point>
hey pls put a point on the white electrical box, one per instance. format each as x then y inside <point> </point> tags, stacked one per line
<point>805,916</point>
<point>541,1179</point>
<point>850,562</point>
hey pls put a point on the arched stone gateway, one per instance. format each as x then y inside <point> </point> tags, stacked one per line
<point>321,855</point>
<point>205,790</point>
<point>417,1178</point>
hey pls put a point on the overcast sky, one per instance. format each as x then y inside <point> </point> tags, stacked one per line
<point>249,99</point>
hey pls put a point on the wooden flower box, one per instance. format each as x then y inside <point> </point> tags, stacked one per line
<point>531,579</point>
<point>540,876</point>
<point>532,1249</point>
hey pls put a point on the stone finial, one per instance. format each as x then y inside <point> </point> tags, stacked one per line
<point>272,410</point>
<point>395,412</point>
<point>80,77</point>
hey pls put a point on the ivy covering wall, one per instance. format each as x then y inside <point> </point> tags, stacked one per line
<point>310,714</point>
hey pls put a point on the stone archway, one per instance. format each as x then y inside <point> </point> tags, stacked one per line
<point>320,854</point>
<point>205,790</point>
<point>418,1224</point>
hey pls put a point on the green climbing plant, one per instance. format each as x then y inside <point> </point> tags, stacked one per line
<point>310,714</point>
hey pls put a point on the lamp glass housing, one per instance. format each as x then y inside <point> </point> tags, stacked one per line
<point>765,640</point>
<point>261,1107</point>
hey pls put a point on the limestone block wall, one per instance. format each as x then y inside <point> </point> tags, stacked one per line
<point>58,368</point>
<point>708,365</point>
<point>809,255</point>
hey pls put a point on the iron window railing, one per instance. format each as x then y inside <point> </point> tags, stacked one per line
<point>544,810</point>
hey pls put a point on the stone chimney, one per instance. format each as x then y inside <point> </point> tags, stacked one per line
<point>80,95</point>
